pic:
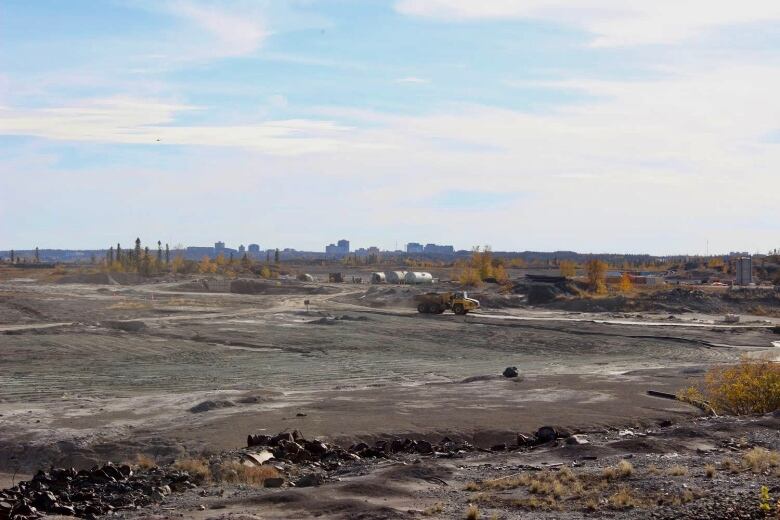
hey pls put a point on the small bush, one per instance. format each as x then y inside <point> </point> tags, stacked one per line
<point>759,460</point>
<point>710,470</point>
<point>145,461</point>
<point>234,472</point>
<point>197,468</point>
<point>750,387</point>
<point>677,471</point>
<point>435,509</point>
<point>623,499</point>
<point>622,470</point>
<point>472,513</point>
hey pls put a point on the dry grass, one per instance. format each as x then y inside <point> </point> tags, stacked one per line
<point>197,468</point>
<point>130,305</point>
<point>622,470</point>
<point>710,470</point>
<point>145,461</point>
<point>435,509</point>
<point>622,499</point>
<point>677,471</point>
<point>760,460</point>
<point>652,469</point>
<point>472,512</point>
<point>234,472</point>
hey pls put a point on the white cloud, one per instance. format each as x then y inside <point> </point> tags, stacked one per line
<point>412,80</point>
<point>137,121</point>
<point>612,22</point>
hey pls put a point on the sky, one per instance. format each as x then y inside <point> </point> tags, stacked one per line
<point>597,126</point>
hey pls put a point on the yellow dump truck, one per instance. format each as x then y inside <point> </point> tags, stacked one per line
<point>436,303</point>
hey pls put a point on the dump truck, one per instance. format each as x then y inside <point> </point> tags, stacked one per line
<point>437,303</point>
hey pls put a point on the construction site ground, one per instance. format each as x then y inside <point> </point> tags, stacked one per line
<point>96,372</point>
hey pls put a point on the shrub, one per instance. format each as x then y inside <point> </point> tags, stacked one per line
<point>623,469</point>
<point>144,461</point>
<point>472,513</point>
<point>677,471</point>
<point>710,470</point>
<point>234,472</point>
<point>760,460</point>
<point>750,387</point>
<point>197,468</point>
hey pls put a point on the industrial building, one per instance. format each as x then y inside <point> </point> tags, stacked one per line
<point>744,268</point>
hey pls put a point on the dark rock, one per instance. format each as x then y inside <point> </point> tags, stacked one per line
<point>312,479</point>
<point>206,406</point>
<point>127,326</point>
<point>273,482</point>
<point>524,440</point>
<point>546,434</point>
<point>511,372</point>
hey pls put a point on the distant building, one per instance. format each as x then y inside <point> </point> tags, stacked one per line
<point>414,247</point>
<point>254,248</point>
<point>434,249</point>
<point>744,270</point>
<point>341,248</point>
<point>219,246</point>
<point>241,249</point>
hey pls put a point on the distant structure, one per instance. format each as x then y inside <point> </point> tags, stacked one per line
<point>744,270</point>
<point>254,248</point>
<point>414,247</point>
<point>241,249</point>
<point>219,247</point>
<point>434,249</point>
<point>341,248</point>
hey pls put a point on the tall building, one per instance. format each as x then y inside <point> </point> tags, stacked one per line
<point>219,246</point>
<point>744,270</point>
<point>414,247</point>
<point>241,249</point>
<point>254,248</point>
<point>341,248</point>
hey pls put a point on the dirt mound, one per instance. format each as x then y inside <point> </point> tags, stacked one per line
<point>102,278</point>
<point>249,286</point>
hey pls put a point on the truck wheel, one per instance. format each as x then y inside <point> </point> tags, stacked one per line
<point>422,308</point>
<point>434,309</point>
<point>458,309</point>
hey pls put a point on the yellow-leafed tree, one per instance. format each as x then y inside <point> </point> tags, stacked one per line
<point>626,285</point>
<point>597,276</point>
<point>568,268</point>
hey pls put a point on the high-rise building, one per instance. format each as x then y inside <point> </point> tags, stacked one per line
<point>343,246</point>
<point>241,249</point>
<point>219,246</point>
<point>254,248</point>
<point>414,247</point>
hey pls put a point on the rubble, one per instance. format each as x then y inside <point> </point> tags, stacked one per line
<point>89,493</point>
<point>511,372</point>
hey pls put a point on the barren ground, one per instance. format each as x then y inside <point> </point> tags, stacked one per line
<point>90,373</point>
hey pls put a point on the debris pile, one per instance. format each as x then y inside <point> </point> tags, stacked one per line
<point>293,447</point>
<point>89,493</point>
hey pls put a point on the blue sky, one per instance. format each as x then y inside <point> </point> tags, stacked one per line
<point>623,126</point>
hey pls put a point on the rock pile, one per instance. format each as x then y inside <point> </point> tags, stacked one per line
<point>293,447</point>
<point>89,493</point>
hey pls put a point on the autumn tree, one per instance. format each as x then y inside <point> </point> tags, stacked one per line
<point>206,266</point>
<point>178,264</point>
<point>626,285</point>
<point>568,268</point>
<point>597,275</point>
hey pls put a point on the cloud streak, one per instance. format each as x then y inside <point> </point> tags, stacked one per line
<point>613,23</point>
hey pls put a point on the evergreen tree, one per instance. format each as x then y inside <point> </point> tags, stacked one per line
<point>159,252</point>
<point>267,256</point>
<point>12,256</point>
<point>276,256</point>
<point>111,255</point>
<point>118,252</point>
<point>167,255</point>
<point>37,256</point>
<point>137,250</point>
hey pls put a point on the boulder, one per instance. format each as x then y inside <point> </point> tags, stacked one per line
<point>511,372</point>
<point>577,440</point>
<point>546,434</point>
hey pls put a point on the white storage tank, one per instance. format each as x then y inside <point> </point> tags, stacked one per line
<point>413,277</point>
<point>378,278</point>
<point>395,276</point>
